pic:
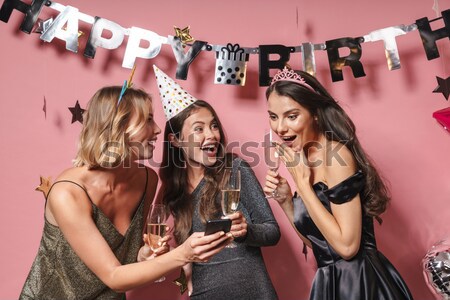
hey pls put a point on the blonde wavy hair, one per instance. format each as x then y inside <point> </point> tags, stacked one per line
<point>107,130</point>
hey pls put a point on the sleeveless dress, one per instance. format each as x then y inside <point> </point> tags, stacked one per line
<point>238,273</point>
<point>368,275</point>
<point>58,273</point>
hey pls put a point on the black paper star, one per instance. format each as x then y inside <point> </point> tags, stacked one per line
<point>181,281</point>
<point>77,113</point>
<point>443,87</point>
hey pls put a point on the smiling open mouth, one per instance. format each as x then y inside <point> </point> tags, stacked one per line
<point>288,138</point>
<point>209,148</point>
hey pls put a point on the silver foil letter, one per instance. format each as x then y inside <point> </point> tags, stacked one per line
<point>96,40</point>
<point>70,16</point>
<point>387,35</point>
<point>133,50</point>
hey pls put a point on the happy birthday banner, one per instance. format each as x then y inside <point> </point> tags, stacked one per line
<point>231,60</point>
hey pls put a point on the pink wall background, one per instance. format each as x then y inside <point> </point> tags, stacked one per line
<point>392,111</point>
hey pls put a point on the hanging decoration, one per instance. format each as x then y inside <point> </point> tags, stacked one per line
<point>388,35</point>
<point>44,187</point>
<point>44,108</point>
<point>77,113</point>
<point>443,87</point>
<point>42,25</point>
<point>231,65</point>
<point>184,35</point>
<point>65,27</point>
<point>184,59</point>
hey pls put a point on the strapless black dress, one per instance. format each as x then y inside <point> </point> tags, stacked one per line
<point>368,275</point>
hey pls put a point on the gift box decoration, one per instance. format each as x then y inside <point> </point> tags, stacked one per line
<point>231,65</point>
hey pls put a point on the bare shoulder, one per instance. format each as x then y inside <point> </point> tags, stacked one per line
<point>67,194</point>
<point>340,165</point>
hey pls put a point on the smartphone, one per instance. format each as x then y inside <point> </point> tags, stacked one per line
<point>213,226</point>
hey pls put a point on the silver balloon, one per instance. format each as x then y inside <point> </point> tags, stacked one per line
<point>436,269</point>
<point>387,35</point>
<point>70,34</point>
<point>133,50</point>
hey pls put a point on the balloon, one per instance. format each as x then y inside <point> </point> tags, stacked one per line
<point>436,269</point>
<point>443,117</point>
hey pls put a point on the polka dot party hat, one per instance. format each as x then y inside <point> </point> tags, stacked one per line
<point>174,99</point>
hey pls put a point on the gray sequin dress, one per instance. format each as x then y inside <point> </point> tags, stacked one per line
<point>239,273</point>
<point>58,273</point>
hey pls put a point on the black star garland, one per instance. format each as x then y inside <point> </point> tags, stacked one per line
<point>77,113</point>
<point>443,87</point>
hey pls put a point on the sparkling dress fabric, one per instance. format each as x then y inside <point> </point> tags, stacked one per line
<point>368,275</point>
<point>239,273</point>
<point>58,273</point>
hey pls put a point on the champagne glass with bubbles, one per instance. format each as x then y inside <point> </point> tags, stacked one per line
<point>156,227</point>
<point>271,156</point>
<point>230,194</point>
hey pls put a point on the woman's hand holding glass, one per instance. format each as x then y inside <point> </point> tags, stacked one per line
<point>231,195</point>
<point>156,231</point>
<point>271,157</point>
<point>238,225</point>
<point>146,252</point>
<point>274,181</point>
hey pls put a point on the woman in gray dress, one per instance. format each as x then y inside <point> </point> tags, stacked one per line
<point>195,165</point>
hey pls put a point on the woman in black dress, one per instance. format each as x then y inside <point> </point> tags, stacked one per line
<point>339,191</point>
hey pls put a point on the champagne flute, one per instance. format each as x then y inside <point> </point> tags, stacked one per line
<point>271,156</point>
<point>230,195</point>
<point>156,227</point>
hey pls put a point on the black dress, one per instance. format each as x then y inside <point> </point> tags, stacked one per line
<point>368,275</point>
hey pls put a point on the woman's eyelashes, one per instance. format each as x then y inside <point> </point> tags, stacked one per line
<point>292,117</point>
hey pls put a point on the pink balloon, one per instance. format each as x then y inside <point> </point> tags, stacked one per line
<point>443,117</point>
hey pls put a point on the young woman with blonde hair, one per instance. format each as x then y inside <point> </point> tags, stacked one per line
<point>95,211</point>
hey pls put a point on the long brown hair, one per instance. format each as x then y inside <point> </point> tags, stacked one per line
<point>173,174</point>
<point>336,125</point>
